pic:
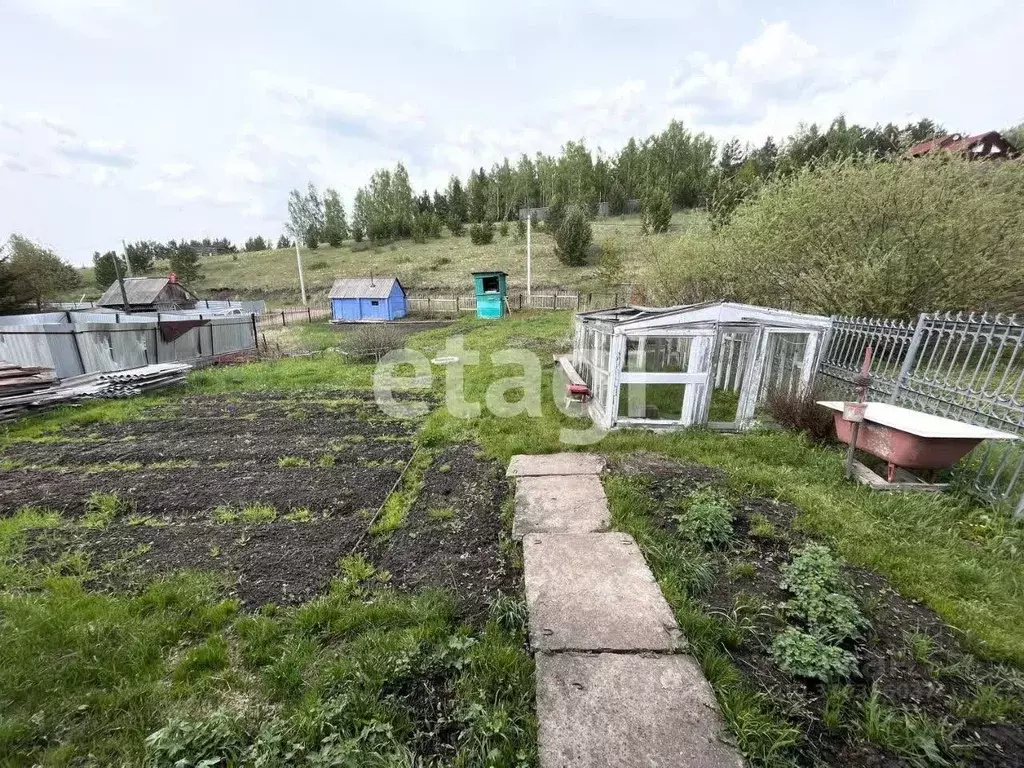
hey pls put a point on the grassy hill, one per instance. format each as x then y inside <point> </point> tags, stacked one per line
<point>435,266</point>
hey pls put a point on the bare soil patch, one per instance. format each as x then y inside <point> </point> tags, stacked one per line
<point>451,538</point>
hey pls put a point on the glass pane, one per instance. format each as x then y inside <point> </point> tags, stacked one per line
<point>651,401</point>
<point>784,363</point>
<point>731,360</point>
<point>657,354</point>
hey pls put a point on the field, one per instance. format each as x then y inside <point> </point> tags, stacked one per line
<point>437,265</point>
<point>264,568</point>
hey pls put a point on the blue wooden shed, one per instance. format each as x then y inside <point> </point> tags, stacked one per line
<point>356,299</point>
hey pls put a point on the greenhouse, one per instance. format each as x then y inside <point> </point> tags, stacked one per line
<point>700,364</point>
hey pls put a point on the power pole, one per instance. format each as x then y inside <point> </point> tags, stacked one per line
<point>302,280</point>
<point>120,282</point>
<point>529,228</point>
<point>127,261</point>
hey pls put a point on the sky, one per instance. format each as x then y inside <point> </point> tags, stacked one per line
<point>159,119</point>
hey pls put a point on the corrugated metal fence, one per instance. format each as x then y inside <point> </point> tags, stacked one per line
<point>72,349</point>
<point>964,366</point>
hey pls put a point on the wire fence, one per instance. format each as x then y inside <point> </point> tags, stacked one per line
<point>285,316</point>
<point>962,366</point>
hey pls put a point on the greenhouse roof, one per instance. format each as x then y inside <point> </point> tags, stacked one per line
<point>717,312</point>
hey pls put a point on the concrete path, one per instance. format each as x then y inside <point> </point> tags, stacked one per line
<point>612,687</point>
<point>560,504</point>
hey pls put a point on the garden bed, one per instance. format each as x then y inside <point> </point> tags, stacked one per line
<point>917,694</point>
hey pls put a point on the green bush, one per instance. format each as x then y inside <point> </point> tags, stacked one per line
<point>657,211</point>
<point>456,227</point>
<point>706,521</point>
<point>520,229</point>
<point>573,236</point>
<point>864,237</point>
<point>482,234</point>
<point>358,233</point>
<point>503,228</point>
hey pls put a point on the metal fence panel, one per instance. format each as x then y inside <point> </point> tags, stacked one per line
<point>962,366</point>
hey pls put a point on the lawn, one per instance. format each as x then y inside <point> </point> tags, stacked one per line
<point>435,266</point>
<point>276,572</point>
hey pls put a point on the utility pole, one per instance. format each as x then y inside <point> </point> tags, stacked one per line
<point>127,261</point>
<point>120,282</point>
<point>302,280</point>
<point>529,228</point>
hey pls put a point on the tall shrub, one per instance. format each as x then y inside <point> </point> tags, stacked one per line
<point>657,211</point>
<point>865,237</point>
<point>573,236</point>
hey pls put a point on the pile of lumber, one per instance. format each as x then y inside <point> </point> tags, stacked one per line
<point>33,388</point>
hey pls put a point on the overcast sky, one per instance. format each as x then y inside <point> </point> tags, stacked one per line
<point>160,119</point>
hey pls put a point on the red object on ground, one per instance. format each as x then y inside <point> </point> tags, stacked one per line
<point>903,449</point>
<point>581,390</point>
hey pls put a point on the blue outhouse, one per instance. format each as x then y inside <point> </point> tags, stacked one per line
<point>491,289</point>
<point>355,299</point>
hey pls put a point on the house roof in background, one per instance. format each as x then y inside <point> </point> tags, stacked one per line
<point>140,290</point>
<point>363,287</point>
<point>957,142</point>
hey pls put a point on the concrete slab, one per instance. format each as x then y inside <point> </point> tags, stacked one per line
<point>594,592</point>
<point>628,711</point>
<point>555,464</point>
<point>560,504</point>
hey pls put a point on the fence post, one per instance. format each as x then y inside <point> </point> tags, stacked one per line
<point>309,314</point>
<point>908,361</point>
<point>456,306</point>
<point>255,335</point>
<point>284,322</point>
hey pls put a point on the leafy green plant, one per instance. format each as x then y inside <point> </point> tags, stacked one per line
<point>706,521</point>
<point>805,655</point>
<point>819,594</point>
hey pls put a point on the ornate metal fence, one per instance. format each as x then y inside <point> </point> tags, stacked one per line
<point>964,366</point>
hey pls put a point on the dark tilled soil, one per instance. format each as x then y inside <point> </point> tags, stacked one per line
<point>885,656</point>
<point>461,553</point>
<point>191,494</point>
<point>169,525</point>
<point>280,562</point>
<point>263,441</point>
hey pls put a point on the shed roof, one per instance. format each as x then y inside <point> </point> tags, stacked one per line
<point>140,290</point>
<point>363,287</point>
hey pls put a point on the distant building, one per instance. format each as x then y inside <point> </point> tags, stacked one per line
<point>984,146</point>
<point>149,294</point>
<point>355,299</point>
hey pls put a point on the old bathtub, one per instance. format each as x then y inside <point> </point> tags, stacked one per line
<point>906,438</point>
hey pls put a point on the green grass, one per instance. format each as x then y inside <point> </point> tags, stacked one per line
<point>251,513</point>
<point>102,508</point>
<point>440,265</point>
<point>398,503</point>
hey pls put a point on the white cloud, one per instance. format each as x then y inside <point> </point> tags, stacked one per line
<point>94,18</point>
<point>175,171</point>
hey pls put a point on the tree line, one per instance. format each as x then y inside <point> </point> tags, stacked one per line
<point>676,168</point>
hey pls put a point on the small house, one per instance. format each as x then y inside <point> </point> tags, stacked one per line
<point>358,299</point>
<point>149,294</point>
